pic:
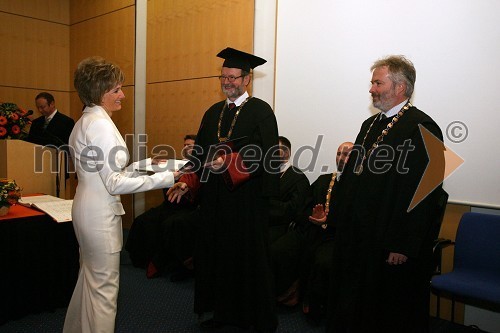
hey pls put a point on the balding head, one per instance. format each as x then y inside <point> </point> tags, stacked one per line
<point>343,155</point>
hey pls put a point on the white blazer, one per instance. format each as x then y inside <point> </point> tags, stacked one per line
<point>100,157</point>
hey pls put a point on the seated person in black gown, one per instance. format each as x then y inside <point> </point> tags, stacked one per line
<point>143,240</point>
<point>300,257</point>
<point>295,193</point>
<point>179,231</point>
<point>52,127</point>
<point>318,253</point>
<point>177,244</point>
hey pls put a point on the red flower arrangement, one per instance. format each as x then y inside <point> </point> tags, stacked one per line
<point>12,121</point>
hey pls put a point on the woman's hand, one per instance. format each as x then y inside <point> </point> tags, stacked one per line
<point>175,193</point>
<point>319,215</point>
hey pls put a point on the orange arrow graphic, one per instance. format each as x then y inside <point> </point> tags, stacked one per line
<point>442,163</point>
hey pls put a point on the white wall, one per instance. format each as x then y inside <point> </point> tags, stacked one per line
<point>324,49</point>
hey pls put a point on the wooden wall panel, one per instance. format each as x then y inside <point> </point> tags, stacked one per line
<point>47,10</point>
<point>174,110</point>
<point>184,36</point>
<point>81,10</point>
<point>124,120</point>
<point>37,55</point>
<point>24,98</point>
<point>76,105</point>
<point>182,42</point>
<point>111,36</point>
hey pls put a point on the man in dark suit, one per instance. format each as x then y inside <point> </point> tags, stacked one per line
<point>52,127</point>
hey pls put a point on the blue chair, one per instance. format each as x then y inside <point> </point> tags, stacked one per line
<point>475,276</point>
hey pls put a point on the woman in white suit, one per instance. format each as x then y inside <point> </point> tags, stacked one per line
<point>100,157</point>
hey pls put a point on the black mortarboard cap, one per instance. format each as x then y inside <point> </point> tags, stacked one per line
<point>239,59</point>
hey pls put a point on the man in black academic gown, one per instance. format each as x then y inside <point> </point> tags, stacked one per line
<point>383,245</point>
<point>302,257</point>
<point>145,242</point>
<point>295,193</point>
<point>233,277</point>
<point>52,127</point>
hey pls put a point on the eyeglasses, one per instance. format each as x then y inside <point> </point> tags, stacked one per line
<point>230,78</point>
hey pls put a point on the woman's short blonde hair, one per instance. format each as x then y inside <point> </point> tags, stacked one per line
<point>94,77</point>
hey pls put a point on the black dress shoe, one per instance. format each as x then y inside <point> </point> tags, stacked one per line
<point>210,324</point>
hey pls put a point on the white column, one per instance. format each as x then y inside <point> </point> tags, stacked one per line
<point>265,47</point>
<point>140,92</point>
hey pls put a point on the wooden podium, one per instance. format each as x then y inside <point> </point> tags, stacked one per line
<point>36,169</point>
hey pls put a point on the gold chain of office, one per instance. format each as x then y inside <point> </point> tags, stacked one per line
<point>328,197</point>
<point>223,139</point>
<point>359,168</point>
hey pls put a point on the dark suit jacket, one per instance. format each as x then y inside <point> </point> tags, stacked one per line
<point>57,132</point>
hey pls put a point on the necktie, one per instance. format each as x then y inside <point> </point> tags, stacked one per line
<point>231,106</point>
<point>46,123</point>
<point>383,116</point>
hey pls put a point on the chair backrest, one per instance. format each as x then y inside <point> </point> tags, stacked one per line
<point>477,245</point>
<point>438,213</point>
<point>442,200</point>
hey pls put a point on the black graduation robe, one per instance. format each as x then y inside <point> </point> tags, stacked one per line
<point>301,252</point>
<point>372,219</point>
<point>146,241</point>
<point>295,192</point>
<point>233,276</point>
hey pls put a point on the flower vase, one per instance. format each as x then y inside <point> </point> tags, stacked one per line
<point>4,210</point>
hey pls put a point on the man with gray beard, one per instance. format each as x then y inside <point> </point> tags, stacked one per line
<point>383,246</point>
<point>233,277</point>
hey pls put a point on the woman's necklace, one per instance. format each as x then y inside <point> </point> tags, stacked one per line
<point>359,169</point>
<point>328,197</point>
<point>223,139</point>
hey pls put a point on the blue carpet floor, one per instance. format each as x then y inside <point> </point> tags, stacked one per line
<point>161,306</point>
<point>150,306</point>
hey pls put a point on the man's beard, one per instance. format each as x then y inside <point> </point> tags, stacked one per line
<point>233,92</point>
<point>384,102</point>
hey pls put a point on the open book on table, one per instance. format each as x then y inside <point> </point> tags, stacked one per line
<point>57,208</point>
